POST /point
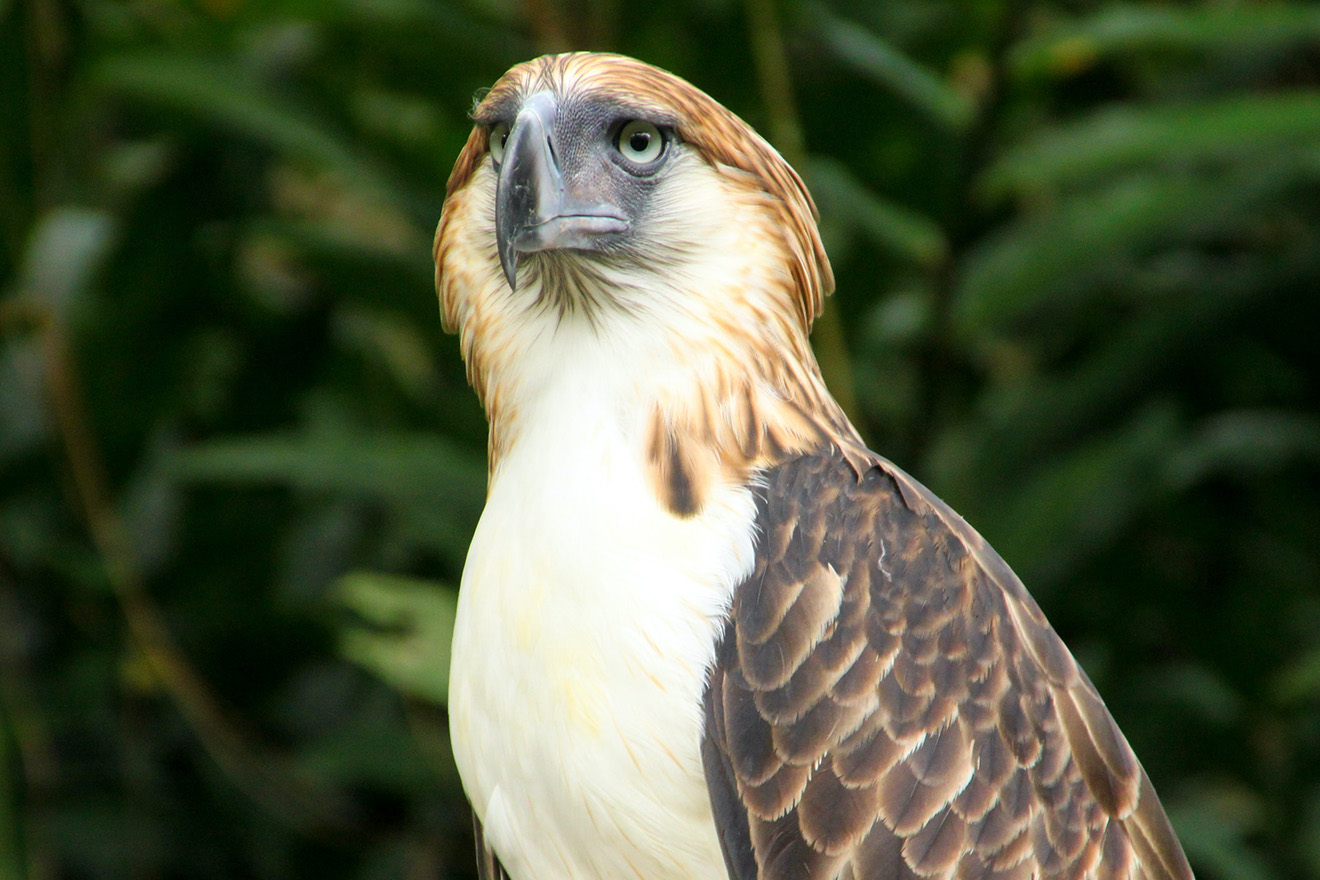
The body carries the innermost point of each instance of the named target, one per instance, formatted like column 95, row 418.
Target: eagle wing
column 887, row 701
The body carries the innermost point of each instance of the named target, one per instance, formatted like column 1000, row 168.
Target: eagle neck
column 702, row 404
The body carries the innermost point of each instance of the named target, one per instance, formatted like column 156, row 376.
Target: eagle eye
column 641, row 143
column 499, row 136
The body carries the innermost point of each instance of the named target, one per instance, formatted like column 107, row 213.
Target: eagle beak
column 534, row 211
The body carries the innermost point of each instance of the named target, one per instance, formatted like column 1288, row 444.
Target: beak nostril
column 534, row 210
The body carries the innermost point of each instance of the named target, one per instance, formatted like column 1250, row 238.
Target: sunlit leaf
column 403, row 632
column 66, row 248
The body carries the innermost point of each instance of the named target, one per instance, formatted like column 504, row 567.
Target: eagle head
column 590, row 175
column 603, row 196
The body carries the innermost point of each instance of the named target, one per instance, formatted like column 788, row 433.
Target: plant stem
column 937, row 360
column 785, row 130
column 252, row 769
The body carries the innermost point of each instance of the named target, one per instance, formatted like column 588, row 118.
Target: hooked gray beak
column 533, row 209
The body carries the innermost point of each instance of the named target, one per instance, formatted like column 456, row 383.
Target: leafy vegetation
column 1078, row 254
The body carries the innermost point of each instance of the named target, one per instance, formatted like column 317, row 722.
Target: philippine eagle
column 703, row 632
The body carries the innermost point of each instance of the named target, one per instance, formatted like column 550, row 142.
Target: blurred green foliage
column 1078, row 254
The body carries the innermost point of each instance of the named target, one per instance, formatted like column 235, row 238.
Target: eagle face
column 577, row 172
column 597, row 183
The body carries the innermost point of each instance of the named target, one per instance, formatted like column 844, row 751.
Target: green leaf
column 889, row 68
column 405, row 632
column 1198, row 690
column 373, row 749
column 226, row 95
column 1058, row 254
column 1126, row 29
column 433, row 489
column 1215, row 823
column 1299, row 681
column 899, row 230
column 1309, row 834
column 1235, row 129
column 393, row 342
column 1057, row 258
column 1246, row 443
column 1076, row 502
column 66, row 248
column 1026, row 415
column 389, row 465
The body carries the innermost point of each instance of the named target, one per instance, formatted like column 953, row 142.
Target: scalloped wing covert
column 889, row 702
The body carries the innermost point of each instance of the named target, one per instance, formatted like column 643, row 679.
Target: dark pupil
column 639, row 141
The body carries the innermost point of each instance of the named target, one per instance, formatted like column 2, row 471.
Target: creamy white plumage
column 589, row 612
column 588, row 617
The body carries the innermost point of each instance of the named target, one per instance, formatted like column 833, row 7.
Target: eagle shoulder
column 887, row 701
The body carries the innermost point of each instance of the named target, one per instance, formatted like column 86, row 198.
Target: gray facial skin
column 565, row 179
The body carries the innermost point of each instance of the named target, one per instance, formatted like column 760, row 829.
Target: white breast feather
column 587, row 619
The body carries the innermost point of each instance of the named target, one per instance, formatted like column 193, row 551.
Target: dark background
column 1078, row 254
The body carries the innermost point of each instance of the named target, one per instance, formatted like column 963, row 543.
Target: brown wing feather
column 889, row 702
